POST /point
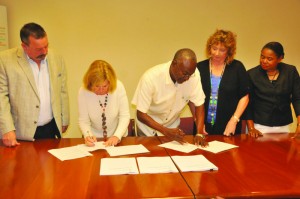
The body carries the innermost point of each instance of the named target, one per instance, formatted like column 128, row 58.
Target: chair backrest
column 131, row 127
column 187, row 125
column 244, row 125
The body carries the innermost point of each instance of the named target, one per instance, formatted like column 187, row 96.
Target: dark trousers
column 49, row 130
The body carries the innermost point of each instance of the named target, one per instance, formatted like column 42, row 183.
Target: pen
column 90, row 136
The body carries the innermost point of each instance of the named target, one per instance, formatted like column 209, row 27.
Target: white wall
column 134, row 35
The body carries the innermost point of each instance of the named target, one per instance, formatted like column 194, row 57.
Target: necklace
column 273, row 76
column 104, row 127
column 213, row 99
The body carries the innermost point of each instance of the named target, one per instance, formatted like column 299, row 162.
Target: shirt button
column 35, row 122
column 37, row 106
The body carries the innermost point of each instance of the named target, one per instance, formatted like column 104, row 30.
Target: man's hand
column 9, row 139
column 175, row 134
column 200, row 139
column 64, row 128
column 253, row 132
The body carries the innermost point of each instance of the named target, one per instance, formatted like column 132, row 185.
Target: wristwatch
column 200, row 135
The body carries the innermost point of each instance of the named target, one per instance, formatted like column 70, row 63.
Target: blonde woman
column 225, row 84
column 103, row 105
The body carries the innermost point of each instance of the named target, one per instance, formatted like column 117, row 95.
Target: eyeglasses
column 184, row 75
column 104, row 127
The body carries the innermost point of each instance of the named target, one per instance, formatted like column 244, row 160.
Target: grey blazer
column 19, row 99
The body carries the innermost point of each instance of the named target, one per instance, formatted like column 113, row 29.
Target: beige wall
column 134, row 35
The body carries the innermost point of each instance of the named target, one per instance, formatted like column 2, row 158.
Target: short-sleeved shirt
column 162, row 99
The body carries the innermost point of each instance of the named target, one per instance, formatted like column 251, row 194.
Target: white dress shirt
column 42, row 80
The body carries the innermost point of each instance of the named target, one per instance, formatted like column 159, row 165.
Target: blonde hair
column 98, row 72
column 227, row 38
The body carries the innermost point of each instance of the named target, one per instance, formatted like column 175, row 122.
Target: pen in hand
column 89, row 139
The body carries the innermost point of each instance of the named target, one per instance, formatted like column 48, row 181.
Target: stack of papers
column 156, row 165
column 193, row 163
column 69, row 153
column 118, row 166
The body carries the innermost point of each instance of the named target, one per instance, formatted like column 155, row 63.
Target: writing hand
column 90, row 139
column 175, row 134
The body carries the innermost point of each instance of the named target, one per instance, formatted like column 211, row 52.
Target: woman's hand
column 253, row 132
column 90, row 140
column 112, row 141
column 230, row 127
column 297, row 132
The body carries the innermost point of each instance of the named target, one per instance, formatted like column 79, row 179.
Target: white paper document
column 186, row 148
column 126, row 150
column 98, row 145
column 68, row 153
column 217, row 146
column 193, row 163
column 118, row 166
column 156, row 165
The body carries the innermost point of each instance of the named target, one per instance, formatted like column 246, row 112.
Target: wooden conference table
column 267, row 167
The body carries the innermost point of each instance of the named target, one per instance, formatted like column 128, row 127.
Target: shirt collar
column 168, row 76
column 31, row 61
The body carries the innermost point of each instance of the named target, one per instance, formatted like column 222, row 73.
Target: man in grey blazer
column 34, row 100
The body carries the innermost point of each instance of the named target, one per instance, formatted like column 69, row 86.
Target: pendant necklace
column 273, row 76
column 104, row 127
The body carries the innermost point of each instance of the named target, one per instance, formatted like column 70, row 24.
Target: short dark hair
column 276, row 47
column 185, row 53
column 31, row 29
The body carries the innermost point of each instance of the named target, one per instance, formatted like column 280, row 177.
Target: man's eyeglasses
column 186, row 76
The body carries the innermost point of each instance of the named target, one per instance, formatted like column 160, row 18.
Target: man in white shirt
column 164, row 91
column 33, row 90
